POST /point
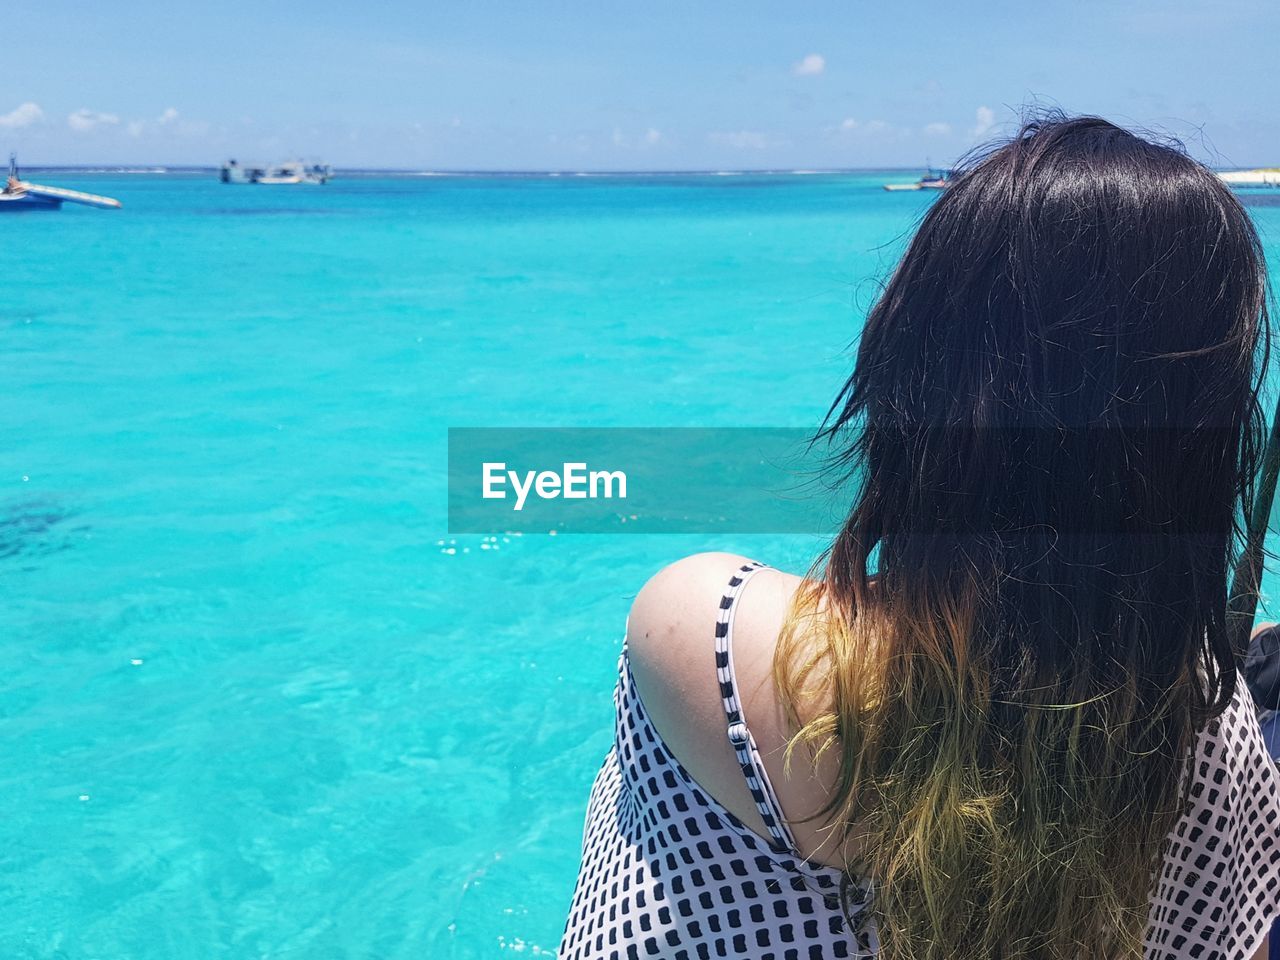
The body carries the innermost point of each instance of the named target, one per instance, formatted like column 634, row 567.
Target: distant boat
column 19, row 194
column 932, row 180
column 1264, row 177
column 295, row 171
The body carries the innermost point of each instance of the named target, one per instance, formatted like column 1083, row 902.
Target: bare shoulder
column 674, row 598
column 673, row 617
column 671, row 650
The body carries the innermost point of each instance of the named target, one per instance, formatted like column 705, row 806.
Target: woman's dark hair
column 1053, row 426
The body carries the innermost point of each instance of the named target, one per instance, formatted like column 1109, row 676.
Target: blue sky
column 701, row 84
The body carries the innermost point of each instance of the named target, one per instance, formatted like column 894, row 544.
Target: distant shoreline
column 156, row 169
column 159, row 170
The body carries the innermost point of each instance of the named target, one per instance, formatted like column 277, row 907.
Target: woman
column 1002, row 719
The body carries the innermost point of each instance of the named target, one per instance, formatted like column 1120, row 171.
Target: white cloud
column 650, row 137
column 168, row 120
column 84, row 119
column 849, row 127
column 742, row 139
column 23, row 115
column 937, row 129
column 810, row 66
column 986, row 119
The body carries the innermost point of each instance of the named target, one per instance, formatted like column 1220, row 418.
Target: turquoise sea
column 257, row 703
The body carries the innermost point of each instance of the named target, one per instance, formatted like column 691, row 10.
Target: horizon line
column 160, row 167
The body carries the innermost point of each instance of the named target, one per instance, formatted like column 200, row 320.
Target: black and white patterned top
column 667, row 871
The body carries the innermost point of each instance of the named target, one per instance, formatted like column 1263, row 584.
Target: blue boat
column 19, row 194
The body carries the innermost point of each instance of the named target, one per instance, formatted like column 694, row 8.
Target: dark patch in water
column 36, row 528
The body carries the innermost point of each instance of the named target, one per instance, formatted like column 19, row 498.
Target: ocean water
column 257, row 703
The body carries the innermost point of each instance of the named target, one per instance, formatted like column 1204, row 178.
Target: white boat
column 283, row 175
column 932, row 180
column 1264, row 177
column 295, row 171
column 19, row 194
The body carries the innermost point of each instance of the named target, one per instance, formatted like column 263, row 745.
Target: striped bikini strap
column 744, row 744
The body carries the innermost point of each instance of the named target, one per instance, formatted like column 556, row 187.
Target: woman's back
column 679, row 861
